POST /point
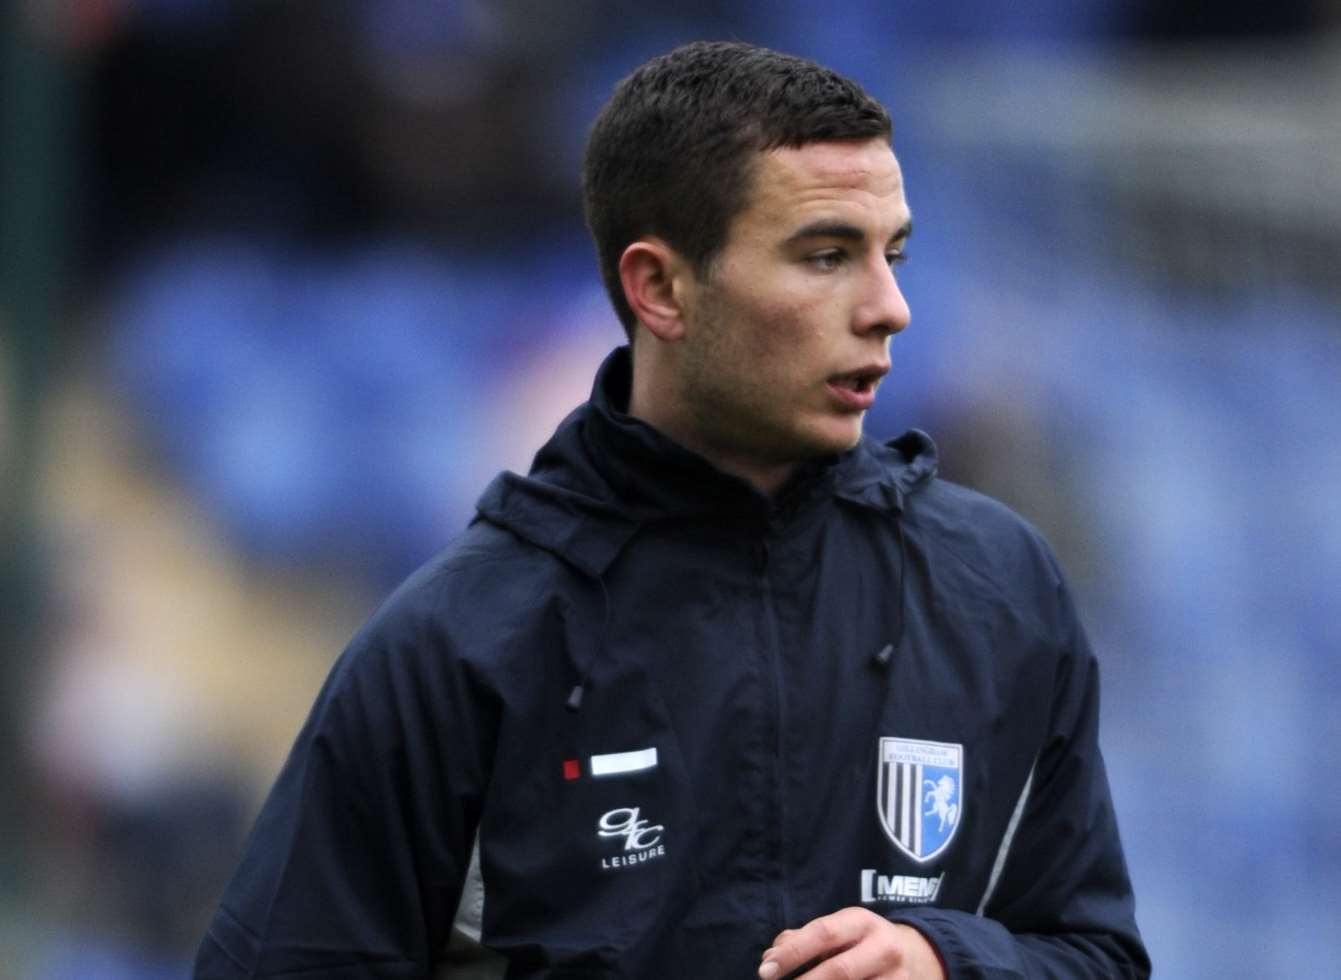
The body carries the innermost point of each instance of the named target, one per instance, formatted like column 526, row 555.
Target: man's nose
column 883, row 308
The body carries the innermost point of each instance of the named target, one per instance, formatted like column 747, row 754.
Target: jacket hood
column 604, row 475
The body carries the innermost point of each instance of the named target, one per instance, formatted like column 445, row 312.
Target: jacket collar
column 605, row 474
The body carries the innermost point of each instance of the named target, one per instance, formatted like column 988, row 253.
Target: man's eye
column 896, row 258
column 826, row 261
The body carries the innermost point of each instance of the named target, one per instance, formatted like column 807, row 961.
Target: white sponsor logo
column 642, row 838
column 898, row 888
column 620, row 763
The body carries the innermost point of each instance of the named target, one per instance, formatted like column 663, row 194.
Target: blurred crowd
column 284, row 282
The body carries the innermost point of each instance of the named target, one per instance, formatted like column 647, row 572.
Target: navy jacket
column 640, row 718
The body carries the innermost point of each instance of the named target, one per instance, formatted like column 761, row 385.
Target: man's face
column 787, row 336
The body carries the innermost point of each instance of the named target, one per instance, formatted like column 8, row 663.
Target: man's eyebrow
column 827, row 229
column 843, row 230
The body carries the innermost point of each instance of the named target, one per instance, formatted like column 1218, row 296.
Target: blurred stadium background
column 283, row 282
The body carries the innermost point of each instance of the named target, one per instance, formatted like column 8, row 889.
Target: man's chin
column 801, row 444
column 837, row 440
column 816, row 448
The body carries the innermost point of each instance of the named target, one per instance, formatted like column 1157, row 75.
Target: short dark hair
column 672, row 152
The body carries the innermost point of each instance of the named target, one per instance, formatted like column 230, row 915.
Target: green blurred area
column 39, row 106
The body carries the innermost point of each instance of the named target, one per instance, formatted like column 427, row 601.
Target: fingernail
column 768, row 970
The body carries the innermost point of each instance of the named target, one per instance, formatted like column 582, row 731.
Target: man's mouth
column 855, row 390
column 861, row 382
column 854, row 382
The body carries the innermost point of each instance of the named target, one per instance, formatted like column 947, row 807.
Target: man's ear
column 651, row 273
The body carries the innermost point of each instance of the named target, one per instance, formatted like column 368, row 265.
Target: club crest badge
column 920, row 794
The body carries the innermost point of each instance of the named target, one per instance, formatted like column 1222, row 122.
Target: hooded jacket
column 641, row 718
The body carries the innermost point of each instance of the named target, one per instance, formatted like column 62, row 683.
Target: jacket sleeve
column 1060, row 904
column 356, row 863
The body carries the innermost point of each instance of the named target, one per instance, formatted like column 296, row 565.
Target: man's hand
column 852, row 944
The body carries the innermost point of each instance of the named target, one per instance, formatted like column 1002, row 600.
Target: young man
column 723, row 687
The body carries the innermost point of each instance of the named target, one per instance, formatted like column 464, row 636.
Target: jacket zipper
column 781, row 904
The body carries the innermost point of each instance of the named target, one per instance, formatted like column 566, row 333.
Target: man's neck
column 649, row 403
